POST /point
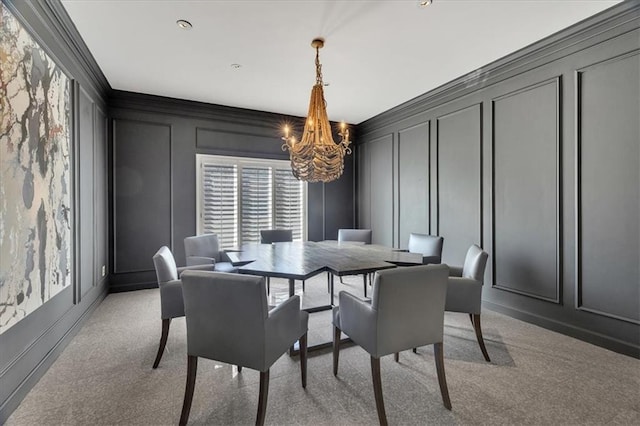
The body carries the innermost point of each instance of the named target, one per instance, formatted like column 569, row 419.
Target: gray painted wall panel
column 364, row 186
column 381, row 208
column 101, row 205
column 609, row 182
column 339, row 203
column 223, row 142
column 315, row 209
column 413, row 180
column 459, row 182
column 142, row 193
column 526, row 137
column 86, row 189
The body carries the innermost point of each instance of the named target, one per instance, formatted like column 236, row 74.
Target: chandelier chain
column 318, row 67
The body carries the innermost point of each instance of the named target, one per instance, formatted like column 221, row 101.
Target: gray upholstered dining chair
column 269, row 236
column 228, row 320
column 428, row 245
column 205, row 249
column 171, row 302
column 464, row 290
column 356, row 235
column 406, row 311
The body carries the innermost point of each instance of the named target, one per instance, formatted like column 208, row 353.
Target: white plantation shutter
column 256, row 202
column 289, row 203
column 238, row 197
column 219, row 206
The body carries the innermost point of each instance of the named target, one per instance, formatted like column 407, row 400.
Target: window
column 237, row 197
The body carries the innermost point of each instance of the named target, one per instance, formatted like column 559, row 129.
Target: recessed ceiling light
column 185, row 25
column 425, row 3
column 236, row 66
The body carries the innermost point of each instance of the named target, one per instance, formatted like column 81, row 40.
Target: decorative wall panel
column 86, row 207
column 413, row 181
column 364, row 186
column 35, row 175
column 460, row 182
column 609, row 188
column 142, row 193
column 381, row 163
column 526, row 190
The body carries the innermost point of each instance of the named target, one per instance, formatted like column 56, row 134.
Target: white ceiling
column 377, row 55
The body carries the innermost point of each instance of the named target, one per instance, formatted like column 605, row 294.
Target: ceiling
column 377, row 54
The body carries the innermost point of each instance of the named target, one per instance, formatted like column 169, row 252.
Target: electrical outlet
column 104, row 270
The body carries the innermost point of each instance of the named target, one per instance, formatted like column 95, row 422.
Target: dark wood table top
column 301, row 260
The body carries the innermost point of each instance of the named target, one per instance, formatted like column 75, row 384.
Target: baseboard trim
column 21, row 391
column 588, row 336
column 119, row 288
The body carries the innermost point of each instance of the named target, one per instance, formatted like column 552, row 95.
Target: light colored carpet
column 536, row 376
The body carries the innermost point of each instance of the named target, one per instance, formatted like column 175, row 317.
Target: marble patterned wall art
column 35, row 175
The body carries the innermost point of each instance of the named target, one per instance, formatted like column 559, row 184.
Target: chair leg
column 302, row 285
column 239, row 369
column 377, row 390
column 438, row 352
column 415, row 350
column 262, row 397
column 341, row 282
column 268, row 285
column 396, row 356
column 328, row 282
column 476, row 326
column 471, row 319
column 192, row 367
column 163, row 341
column 336, row 349
column 303, row 359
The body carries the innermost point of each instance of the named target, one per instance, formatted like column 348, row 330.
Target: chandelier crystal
column 316, row 157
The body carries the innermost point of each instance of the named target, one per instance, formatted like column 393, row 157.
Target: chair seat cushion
column 225, row 267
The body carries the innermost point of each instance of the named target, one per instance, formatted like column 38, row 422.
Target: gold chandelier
column 316, row 157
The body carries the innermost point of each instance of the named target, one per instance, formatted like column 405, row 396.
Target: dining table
column 301, row 260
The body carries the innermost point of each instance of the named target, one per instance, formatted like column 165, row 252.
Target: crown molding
column 610, row 23
column 142, row 102
column 66, row 29
column 198, row 110
column 61, row 35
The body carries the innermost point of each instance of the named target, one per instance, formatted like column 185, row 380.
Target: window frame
column 240, row 163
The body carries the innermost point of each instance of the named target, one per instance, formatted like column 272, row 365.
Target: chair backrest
column 428, row 245
column 361, row 235
column 206, row 245
column 268, row 236
column 226, row 316
column 410, row 304
column 475, row 263
column 165, row 265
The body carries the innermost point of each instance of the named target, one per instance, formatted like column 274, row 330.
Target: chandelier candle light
column 316, row 157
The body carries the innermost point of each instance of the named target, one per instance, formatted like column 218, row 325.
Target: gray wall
column 536, row 158
column 155, row 141
column 29, row 347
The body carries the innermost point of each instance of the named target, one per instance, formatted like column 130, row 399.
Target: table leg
column 364, row 278
column 292, row 290
column 331, row 285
